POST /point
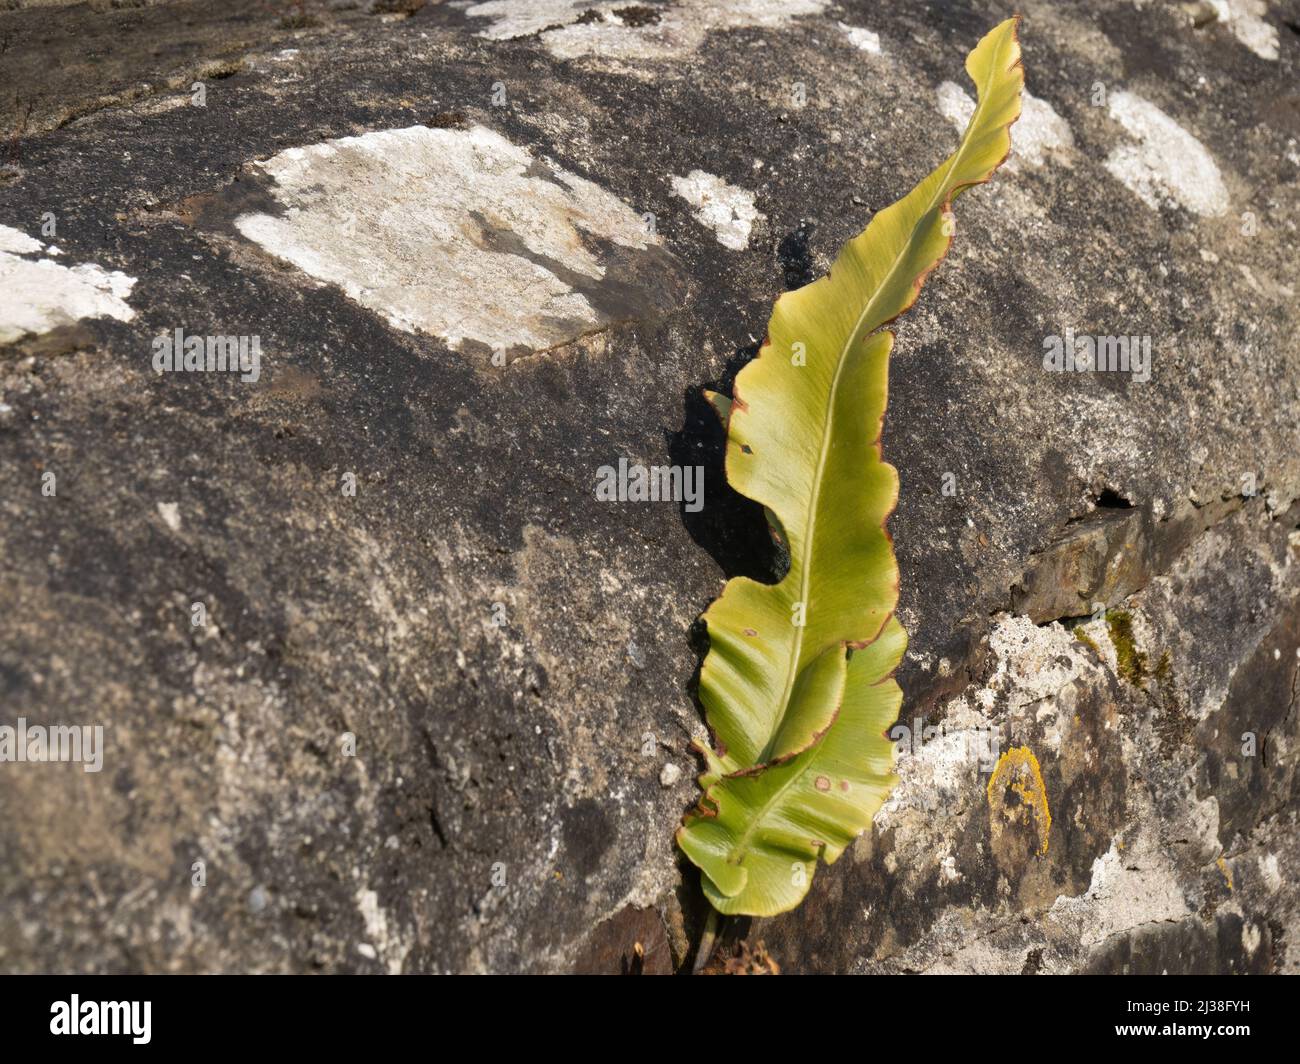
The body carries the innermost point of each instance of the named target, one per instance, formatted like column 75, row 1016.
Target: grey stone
column 503, row 749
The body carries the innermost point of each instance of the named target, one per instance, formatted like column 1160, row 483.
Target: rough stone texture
column 515, row 659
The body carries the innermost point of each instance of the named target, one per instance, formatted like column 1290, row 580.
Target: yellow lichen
column 1018, row 771
column 1227, row 872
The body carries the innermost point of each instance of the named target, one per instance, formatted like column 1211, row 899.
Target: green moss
column 1083, row 637
column 1164, row 672
column 1132, row 663
column 1173, row 725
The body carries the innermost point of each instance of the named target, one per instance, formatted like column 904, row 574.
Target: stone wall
column 436, row 716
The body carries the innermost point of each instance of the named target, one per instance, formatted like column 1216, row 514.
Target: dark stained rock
column 631, row 942
column 1225, row 945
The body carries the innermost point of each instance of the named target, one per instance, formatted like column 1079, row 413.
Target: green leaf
column 796, row 685
column 779, row 818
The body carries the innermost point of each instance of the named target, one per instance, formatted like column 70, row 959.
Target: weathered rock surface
column 487, row 249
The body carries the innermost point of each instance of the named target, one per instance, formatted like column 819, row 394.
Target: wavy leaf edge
column 856, row 353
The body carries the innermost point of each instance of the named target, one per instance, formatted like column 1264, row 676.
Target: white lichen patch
column 864, row 40
column 383, row 945
column 170, row 512
column 1037, row 132
column 1128, row 889
column 1166, row 164
column 16, row 242
column 955, row 104
column 39, row 294
column 1245, row 18
column 1270, row 873
column 938, row 769
column 727, row 210
column 1037, row 665
column 1035, row 670
column 457, row 233
column 523, row 18
column 608, row 30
